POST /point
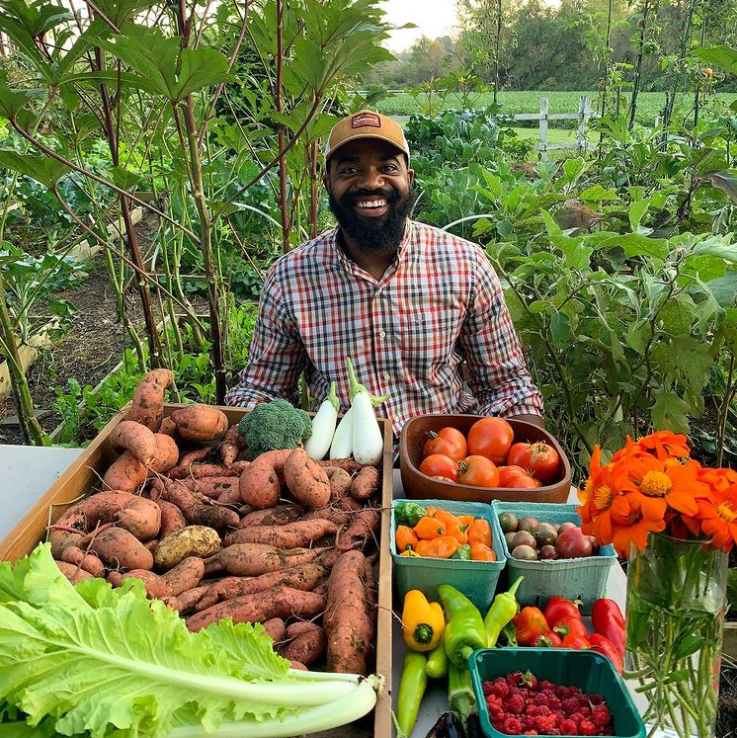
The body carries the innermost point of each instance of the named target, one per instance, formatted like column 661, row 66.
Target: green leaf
column 12, row 102
column 504, row 228
column 678, row 314
column 638, row 336
column 637, row 211
column 720, row 56
column 597, row 193
column 717, row 246
column 633, row 244
column 560, row 330
column 200, row 68
column 43, row 169
column 551, row 226
column 668, row 411
column 125, row 179
column 725, row 181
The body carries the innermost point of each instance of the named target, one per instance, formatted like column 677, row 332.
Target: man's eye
column 391, row 168
column 349, row 170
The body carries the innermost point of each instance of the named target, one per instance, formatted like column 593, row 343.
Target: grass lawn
column 648, row 108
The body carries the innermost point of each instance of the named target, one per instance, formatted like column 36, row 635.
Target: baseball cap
column 366, row 124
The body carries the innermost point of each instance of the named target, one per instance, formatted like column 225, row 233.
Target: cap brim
column 358, row 136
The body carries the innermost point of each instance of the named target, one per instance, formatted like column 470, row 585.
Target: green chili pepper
column 409, row 513
column 463, row 553
column 502, row 610
column 460, row 693
column 464, row 627
column 412, row 687
column 437, row 662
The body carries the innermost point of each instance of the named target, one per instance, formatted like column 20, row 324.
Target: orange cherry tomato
column 478, row 471
column 517, row 478
column 492, row 438
column 448, row 441
column 440, row 465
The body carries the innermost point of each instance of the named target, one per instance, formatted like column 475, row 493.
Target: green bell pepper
column 464, row 627
column 463, row 553
column 409, row 513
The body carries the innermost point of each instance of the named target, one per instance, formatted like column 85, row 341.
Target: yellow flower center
column 726, row 512
column 655, row 484
column 603, row 498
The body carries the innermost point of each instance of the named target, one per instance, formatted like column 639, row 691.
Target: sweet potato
column 136, row 514
column 252, row 559
column 340, row 482
column 349, row 619
column 348, row 465
column 365, row 483
column 231, row 496
column 168, row 428
column 341, row 513
column 147, row 407
column 297, row 666
column 172, row 519
column 166, row 454
column 152, row 545
column 292, row 535
column 119, row 548
column 360, row 531
column 279, row 602
column 195, row 540
column 125, row 474
column 156, row 587
column 299, row 627
column 200, row 423
column 232, row 444
column 307, row 647
column 136, row 438
column 304, row 577
column 279, row 515
column 72, row 572
column 184, row 467
column 191, row 597
column 186, row 575
column 260, row 483
column 212, row 487
column 196, row 512
column 275, row 628
column 306, row 479
column 202, row 471
column 240, row 466
column 173, row 603
column 89, row 562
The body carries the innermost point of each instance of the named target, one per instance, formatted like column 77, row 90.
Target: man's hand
column 530, row 418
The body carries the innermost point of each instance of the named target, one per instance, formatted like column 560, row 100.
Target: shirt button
column 382, row 334
column 387, row 376
column 396, row 418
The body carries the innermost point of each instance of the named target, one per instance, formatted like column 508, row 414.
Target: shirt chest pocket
column 429, row 336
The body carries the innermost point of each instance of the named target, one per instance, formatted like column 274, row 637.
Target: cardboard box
column 85, row 474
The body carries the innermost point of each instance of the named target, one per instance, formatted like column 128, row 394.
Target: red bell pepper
column 530, row 623
column 549, row 639
column 576, row 642
column 609, row 622
column 571, row 625
column 604, row 646
column 559, row 608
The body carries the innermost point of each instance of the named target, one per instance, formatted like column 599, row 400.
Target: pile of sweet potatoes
column 283, row 540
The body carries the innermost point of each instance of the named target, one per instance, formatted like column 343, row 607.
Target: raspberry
column 601, row 716
column 586, row 727
column 531, row 709
column 529, row 679
column 542, row 698
column 547, row 684
column 577, row 718
column 596, row 699
column 554, row 702
column 528, row 722
column 499, row 688
column 545, row 723
column 569, row 705
column 568, row 727
column 515, row 704
column 513, row 678
column 585, row 710
column 512, row 726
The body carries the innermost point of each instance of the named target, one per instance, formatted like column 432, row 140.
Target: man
column 407, row 303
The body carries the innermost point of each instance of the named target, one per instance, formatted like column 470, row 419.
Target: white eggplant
column 368, row 443
column 342, row 445
column 323, row 426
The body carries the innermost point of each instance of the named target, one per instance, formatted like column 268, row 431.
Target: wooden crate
column 85, row 473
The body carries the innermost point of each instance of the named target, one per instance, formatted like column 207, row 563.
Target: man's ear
column 411, row 176
column 326, row 181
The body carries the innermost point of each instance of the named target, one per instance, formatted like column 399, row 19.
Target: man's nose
column 372, row 179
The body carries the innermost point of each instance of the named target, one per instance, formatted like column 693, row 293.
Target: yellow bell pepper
column 423, row 622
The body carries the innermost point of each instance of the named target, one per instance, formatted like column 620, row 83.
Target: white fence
column 583, row 116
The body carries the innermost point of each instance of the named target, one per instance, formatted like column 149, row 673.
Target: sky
column 433, row 18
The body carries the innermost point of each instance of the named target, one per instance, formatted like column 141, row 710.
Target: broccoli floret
column 274, row 425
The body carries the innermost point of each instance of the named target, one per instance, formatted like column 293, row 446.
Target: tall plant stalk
column 279, row 103
column 646, row 7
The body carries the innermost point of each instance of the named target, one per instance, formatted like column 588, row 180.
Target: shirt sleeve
column 276, row 357
column 498, row 375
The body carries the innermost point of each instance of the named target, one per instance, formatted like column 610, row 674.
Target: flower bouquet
column 675, row 521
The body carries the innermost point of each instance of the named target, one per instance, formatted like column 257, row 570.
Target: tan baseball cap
column 366, row 124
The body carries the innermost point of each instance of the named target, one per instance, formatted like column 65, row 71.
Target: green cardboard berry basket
column 476, row 579
column 591, row 672
column 583, row 579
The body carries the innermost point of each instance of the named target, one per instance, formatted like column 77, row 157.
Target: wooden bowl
column 420, row 486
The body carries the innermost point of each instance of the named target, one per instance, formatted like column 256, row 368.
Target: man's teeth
column 372, row 204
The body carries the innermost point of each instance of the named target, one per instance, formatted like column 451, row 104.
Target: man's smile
column 373, row 207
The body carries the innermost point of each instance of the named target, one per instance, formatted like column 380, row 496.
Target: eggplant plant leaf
column 725, row 181
column 43, row 169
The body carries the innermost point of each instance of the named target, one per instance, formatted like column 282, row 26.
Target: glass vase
column 676, row 601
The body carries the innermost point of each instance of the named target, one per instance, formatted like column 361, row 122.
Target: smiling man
column 408, row 303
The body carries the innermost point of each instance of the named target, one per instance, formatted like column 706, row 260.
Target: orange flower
column 718, row 479
column 665, row 444
column 635, row 530
column 718, row 517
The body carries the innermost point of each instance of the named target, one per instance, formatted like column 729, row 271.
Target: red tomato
column 439, row 465
column 490, row 437
column 447, row 441
column 478, row 471
column 543, row 462
column 517, row 478
column 519, row 454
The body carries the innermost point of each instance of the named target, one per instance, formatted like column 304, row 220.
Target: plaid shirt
column 438, row 303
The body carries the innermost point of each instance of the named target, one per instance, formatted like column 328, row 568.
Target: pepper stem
column 513, row 589
column 466, row 651
column 423, row 633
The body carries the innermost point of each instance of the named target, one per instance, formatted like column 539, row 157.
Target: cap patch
column 365, row 119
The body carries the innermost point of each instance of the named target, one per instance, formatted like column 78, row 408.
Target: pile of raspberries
column 519, row 704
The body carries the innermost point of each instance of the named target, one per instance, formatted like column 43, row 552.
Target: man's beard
column 378, row 235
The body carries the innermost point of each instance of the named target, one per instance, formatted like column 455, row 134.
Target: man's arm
column 276, row 357
column 498, row 374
